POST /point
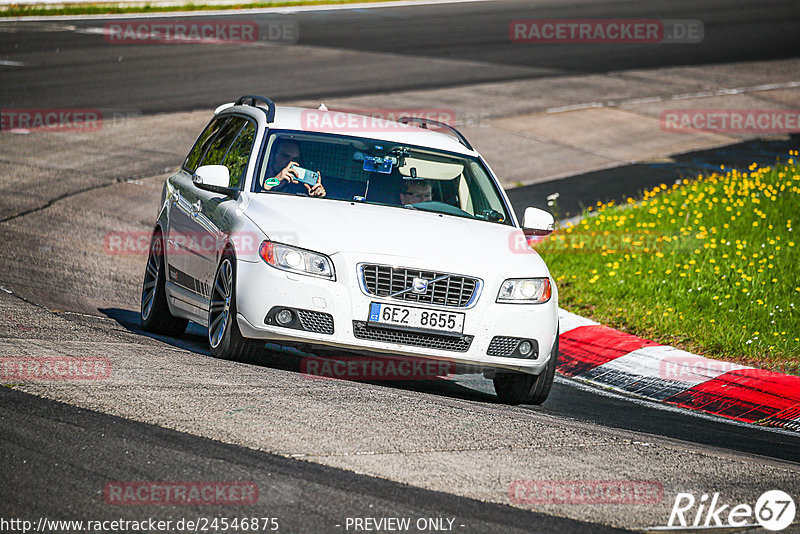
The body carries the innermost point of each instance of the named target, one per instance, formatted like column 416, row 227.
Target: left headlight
column 296, row 260
column 525, row 290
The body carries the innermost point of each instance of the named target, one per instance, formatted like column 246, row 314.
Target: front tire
column 154, row 309
column 224, row 337
column 521, row 388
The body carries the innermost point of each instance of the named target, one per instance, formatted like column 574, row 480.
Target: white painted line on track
column 288, row 10
column 575, row 107
column 769, row 86
column 683, row 96
column 645, row 100
column 690, row 96
column 8, row 63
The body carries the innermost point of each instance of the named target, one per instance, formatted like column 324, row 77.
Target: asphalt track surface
column 55, row 466
column 567, row 400
column 366, row 51
column 340, row 53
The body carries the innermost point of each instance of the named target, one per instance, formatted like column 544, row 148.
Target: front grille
column 418, row 339
column 455, row 291
column 502, row 346
column 313, row 321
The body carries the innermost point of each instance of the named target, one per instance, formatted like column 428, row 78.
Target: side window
column 202, row 143
column 239, row 153
column 483, row 193
column 220, row 145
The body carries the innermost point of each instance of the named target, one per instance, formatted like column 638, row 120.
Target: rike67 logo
column 774, row 510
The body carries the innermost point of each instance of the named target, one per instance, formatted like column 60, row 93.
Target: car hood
column 359, row 229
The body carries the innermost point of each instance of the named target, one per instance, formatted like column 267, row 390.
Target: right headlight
column 297, row 260
column 525, row 291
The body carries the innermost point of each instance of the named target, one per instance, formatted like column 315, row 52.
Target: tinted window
column 239, row 153
column 222, row 142
column 202, row 143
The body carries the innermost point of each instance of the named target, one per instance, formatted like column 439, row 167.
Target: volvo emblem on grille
column 420, row 285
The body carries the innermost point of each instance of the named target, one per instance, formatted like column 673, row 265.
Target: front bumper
column 261, row 287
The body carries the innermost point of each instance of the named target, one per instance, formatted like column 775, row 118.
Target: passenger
column 285, row 154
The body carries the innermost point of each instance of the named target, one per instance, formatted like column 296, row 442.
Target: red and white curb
column 608, row 358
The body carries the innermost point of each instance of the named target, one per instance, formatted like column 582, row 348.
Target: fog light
column 525, row 348
column 284, row 317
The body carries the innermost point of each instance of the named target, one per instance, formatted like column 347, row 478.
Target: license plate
column 421, row 318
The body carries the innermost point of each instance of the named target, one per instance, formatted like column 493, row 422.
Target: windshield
column 379, row 172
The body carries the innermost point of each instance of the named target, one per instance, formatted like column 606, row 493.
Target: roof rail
column 253, row 100
column 424, row 122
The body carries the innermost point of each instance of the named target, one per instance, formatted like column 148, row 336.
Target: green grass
column 113, row 9
column 710, row 265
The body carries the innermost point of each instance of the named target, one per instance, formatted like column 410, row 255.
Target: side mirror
column 215, row 178
column 537, row 222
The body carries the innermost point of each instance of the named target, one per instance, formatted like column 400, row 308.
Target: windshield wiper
column 442, row 209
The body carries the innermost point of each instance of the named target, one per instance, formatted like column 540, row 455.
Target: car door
column 182, row 202
column 209, row 221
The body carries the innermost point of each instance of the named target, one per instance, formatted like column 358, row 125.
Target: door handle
column 197, row 207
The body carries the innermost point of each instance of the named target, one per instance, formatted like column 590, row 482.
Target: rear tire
column 154, row 309
column 224, row 337
column 522, row 388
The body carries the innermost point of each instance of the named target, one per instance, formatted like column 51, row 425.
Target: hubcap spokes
column 219, row 312
column 151, row 278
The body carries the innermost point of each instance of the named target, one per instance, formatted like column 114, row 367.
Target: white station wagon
column 338, row 232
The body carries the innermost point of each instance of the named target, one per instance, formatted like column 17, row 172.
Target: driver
column 285, row 154
column 415, row 191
